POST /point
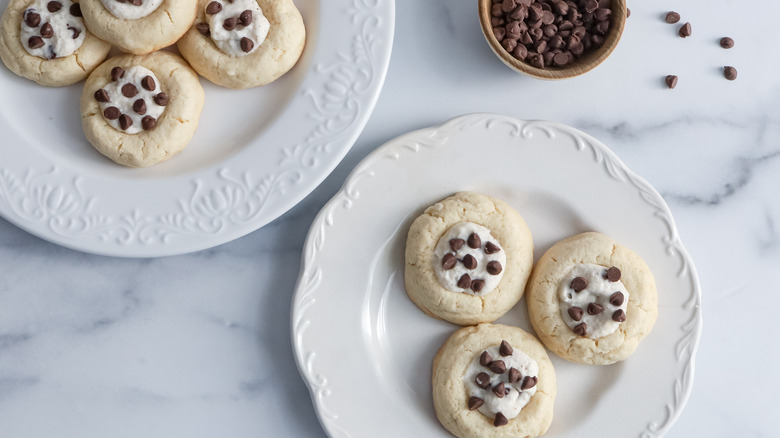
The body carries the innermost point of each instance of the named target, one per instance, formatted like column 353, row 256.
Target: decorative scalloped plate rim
column 213, row 204
column 339, row 326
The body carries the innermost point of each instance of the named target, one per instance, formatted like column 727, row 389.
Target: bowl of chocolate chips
column 552, row 39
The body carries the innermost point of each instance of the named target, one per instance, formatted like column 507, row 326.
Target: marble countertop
column 199, row 345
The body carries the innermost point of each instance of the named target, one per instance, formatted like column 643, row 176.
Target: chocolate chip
column 117, row 73
column 505, row 349
column 729, row 72
column 514, row 375
column 616, row 299
column 35, row 42
column 628, row 12
column 494, row 267
column 482, row 380
column 125, row 122
column 671, row 81
column 101, row 95
column 575, row 313
column 32, row 19
column 602, row 14
column 685, row 30
column 581, row 329
column 529, row 382
column 475, row 403
column 619, row 315
column 148, row 123
column 75, row 10
column 499, row 390
column 500, row 420
column 561, row 58
column 245, row 18
column 469, row 261
column 474, row 241
column 139, row 106
column 53, row 6
column 595, row 308
column 75, row 31
column 726, row 42
column 456, row 244
column 47, row 31
column 213, row 8
column 485, row 359
column 672, row 17
column 579, row 284
column 477, row 285
column 448, row 261
column 464, row 282
column 148, row 83
column 129, row 90
column 136, row 2
column 247, row 45
column 230, row 23
column 497, row 366
column 112, row 113
column 491, row 248
column 161, row 99
column 613, row 274
column 203, row 28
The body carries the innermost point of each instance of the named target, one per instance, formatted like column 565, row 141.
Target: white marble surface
column 199, row 345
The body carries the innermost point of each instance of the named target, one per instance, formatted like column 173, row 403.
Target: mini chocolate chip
column 500, row 420
column 581, row 329
column 477, row 285
column 529, row 382
column 497, row 366
column 628, row 12
column 213, row 8
column 619, row 315
column 75, row 31
column 579, row 284
column 129, row 90
column 245, row 18
column 613, row 274
column 54, row 6
column 161, row 99
column 482, row 380
column 247, row 45
column 494, row 267
column 499, row 390
column 685, row 30
column 485, row 359
column 32, row 19
column 729, row 72
column 47, row 31
column 672, row 17
column 671, row 81
column 475, row 403
column 35, row 42
column 117, row 73
column 505, row 349
column 474, row 241
column 491, row 248
column 75, row 10
column 602, row 14
column 616, row 299
column 148, row 123
column 448, row 261
column 456, row 244
column 595, row 308
column 230, row 23
column 112, row 113
column 125, row 122
column 464, row 282
column 575, row 313
column 726, row 42
column 591, row 6
column 139, row 106
column 561, row 58
column 101, row 95
column 203, row 28
column 514, row 375
column 148, row 83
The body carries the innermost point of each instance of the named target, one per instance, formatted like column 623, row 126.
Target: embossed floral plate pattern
column 365, row 350
column 256, row 153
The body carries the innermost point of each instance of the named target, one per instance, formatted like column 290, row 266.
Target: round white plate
column 365, row 350
column 255, row 155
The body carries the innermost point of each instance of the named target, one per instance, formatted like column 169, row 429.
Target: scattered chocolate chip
column 456, row 244
column 117, row 73
column 482, row 380
column 726, row 42
column 230, row 23
column 125, row 122
column 497, row 366
column 148, row 123
column 139, row 106
column 75, row 31
column 619, row 315
column 575, row 313
column 491, row 248
column 35, row 42
column 247, row 45
column 579, row 284
column 129, row 90
column 613, row 274
column 148, row 83
column 494, row 267
column 245, row 18
column 685, row 30
column 671, row 81
column 475, row 403
column 505, row 349
column 485, row 359
column 469, row 261
column 474, row 241
column 53, row 6
column 112, row 113
column 464, row 282
column 448, row 261
column 616, row 299
column 499, row 390
column 477, row 285
column 47, row 31
column 203, row 28
column 31, row 18
column 101, row 95
column 500, row 420
column 213, row 8
column 529, row 382
column 514, row 375
column 672, row 17
column 729, row 72
column 161, row 99
column 75, row 10
column 595, row 308
column 581, row 329
column 628, row 12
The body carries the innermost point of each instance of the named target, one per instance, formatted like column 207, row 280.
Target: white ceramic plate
column 255, row 155
column 365, row 350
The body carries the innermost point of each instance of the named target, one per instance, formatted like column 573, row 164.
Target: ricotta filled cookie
column 139, row 110
column 244, row 43
column 493, row 380
column 139, row 26
column 48, row 42
column 592, row 300
column 468, row 258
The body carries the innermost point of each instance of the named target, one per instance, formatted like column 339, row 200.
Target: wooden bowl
column 585, row 63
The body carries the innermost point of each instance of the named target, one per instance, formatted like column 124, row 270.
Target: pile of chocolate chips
column 550, row 33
